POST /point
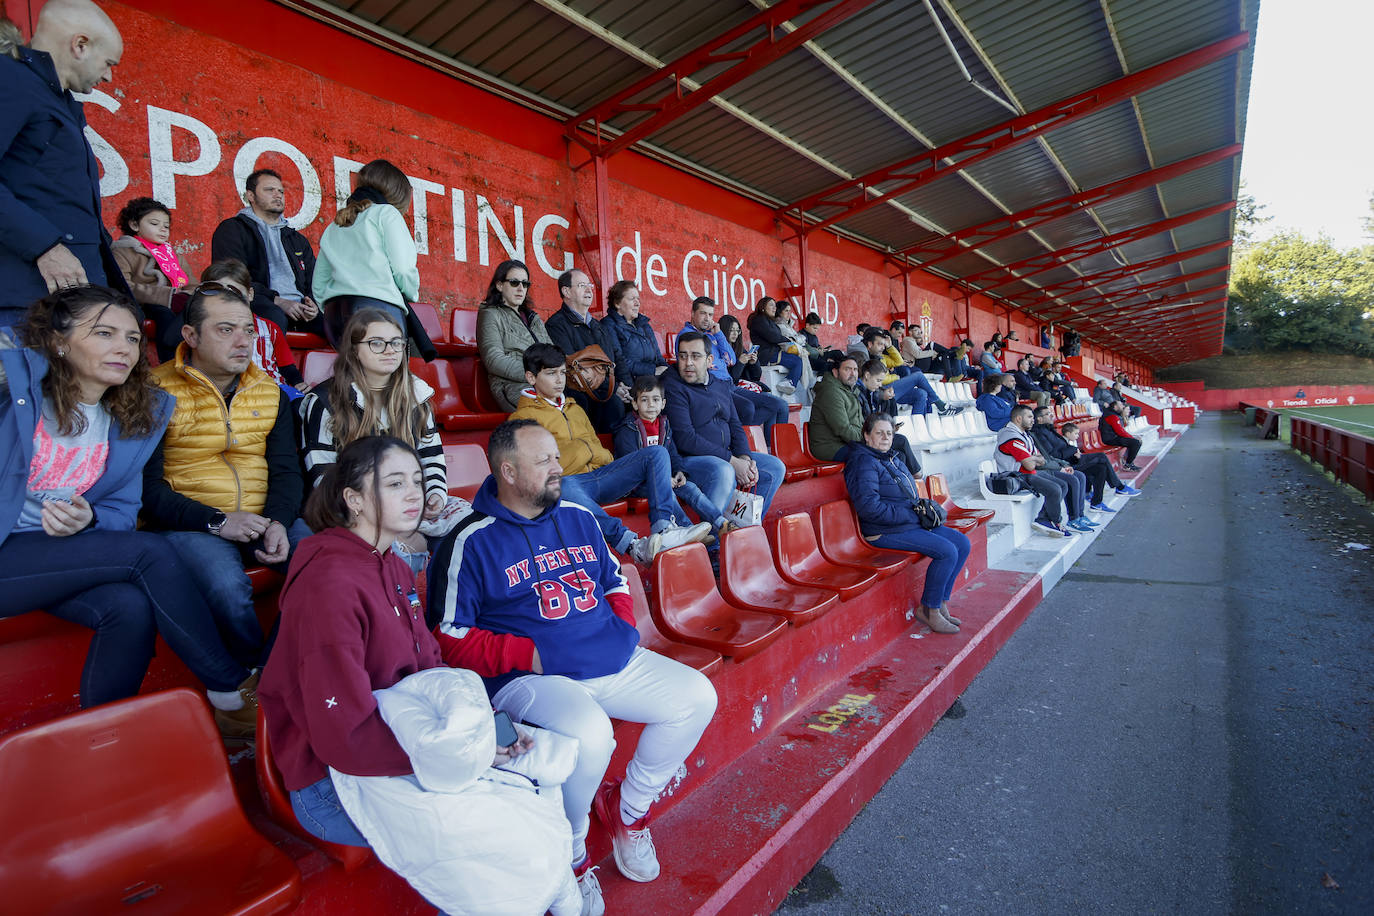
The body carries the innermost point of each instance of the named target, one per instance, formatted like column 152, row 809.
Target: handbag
column 929, row 513
column 745, row 508
column 589, row 369
column 1005, row 483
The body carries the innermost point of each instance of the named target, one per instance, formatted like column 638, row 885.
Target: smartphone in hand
column 506, row 735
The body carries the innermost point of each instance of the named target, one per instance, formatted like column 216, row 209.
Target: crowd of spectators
column 142, row 497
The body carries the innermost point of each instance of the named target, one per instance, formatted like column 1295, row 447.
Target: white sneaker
column 642, row 550
column 676, row 536
column 592, row 902
column 785, row 387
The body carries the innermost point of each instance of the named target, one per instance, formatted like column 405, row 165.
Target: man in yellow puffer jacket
column 225, row 481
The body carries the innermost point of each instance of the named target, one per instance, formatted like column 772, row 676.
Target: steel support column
column 852, row 197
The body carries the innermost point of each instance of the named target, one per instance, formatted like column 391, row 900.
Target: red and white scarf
column 167, row 262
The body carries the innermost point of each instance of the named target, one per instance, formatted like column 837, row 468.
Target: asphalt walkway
column 1184, row 725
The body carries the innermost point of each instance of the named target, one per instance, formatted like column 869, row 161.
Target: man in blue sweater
column 527, row 595
column 715, row 450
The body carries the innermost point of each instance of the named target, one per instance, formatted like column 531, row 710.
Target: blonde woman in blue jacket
column 79, row 416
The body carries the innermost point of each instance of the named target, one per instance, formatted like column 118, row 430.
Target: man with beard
column 528, row 596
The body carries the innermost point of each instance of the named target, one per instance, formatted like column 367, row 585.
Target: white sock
column 579, row 856
column 226, row 700
column 627, row 817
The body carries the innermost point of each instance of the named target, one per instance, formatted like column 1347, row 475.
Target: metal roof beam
column 1111, row 275
column 1124, row 298
column 1029, row 267
column 852, row 197
column 1003, row 227
column 1106, row 304
column 725, row 49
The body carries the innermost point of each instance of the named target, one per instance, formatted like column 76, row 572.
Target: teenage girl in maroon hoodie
column 350, row 624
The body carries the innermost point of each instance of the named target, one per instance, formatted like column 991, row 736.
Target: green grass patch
column 1356, row 419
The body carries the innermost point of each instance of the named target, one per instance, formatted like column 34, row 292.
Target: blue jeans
column 793, row 364
column 649, row 467
column 759, row 408
column 217, row 568
column 1078, row 485
column 712, row 476
column 906, row 390
column 127, row 587
column 947, row 549
column 320, row 812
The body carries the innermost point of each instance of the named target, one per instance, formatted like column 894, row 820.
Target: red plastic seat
column 757, row 441
column 939, row 491
column 449, row 410
column 800, row 560
column 278, row 803
column 749, row 579
column 472, row 376
column 463, row 331
column 823, row 468
column 129, row 807
column 429, row 320
column 841, row 542
column 304, row 340
column 690, row 610
column 707, row 661
column 964, row 525
column 318, row 366
column 788, row 448
column 467, row 468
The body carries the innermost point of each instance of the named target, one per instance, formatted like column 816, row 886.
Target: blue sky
column 1309, row 141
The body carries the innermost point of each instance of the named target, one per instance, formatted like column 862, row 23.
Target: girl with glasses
column 372, row 393
column 507, row 325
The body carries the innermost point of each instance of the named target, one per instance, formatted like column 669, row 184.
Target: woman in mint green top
column 368, row 255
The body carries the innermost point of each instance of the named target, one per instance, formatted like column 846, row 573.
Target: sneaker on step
column 642, row 550
column 242, row 723
column 1127, row 490
column 632, row 844
column 1049, row 528
column 676, row 536
column 949, row 411
column 785, row 387
column 1078, row 525
column 1084, row 520
column 1132, row 467
column 1102, row 507
column 1064, row 530
column 592, row 902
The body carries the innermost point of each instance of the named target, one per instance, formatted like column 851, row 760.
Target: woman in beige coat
column 506, row 326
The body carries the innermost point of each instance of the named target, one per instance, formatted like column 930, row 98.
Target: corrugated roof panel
column 1097, row 148
column 1191, row 114
column 1022, row 38
column 1130, row 211
column 1153, row 32
column 950, row 202
column 1202, row 188
column 1021, row 177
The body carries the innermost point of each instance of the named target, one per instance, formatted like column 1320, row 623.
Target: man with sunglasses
column 224, row 484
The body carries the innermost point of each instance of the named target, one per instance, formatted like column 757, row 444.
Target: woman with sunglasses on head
column 79, row 418
column 507, row 326
column 367, row 254
column 371, row 393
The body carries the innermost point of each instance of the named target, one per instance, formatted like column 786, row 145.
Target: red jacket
column 1117, row 425
column 349, row 625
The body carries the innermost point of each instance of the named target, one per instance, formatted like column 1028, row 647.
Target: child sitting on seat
column 153, row 270
column 647, row 426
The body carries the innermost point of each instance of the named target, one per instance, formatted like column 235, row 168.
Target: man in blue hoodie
column 755, row 408
column 526, row 593
column 715, row 450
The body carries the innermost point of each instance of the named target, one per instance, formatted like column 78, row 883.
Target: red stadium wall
column 1232, row 398
column 208, row 91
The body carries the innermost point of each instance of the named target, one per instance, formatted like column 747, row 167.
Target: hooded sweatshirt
column 350, row 624
column 502, row 585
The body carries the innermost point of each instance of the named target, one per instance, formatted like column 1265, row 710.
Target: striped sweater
column 319, row 451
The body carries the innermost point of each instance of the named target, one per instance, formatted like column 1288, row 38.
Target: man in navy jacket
column 715, row 450
column 51, row 234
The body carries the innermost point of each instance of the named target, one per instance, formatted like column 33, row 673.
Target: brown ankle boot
column 932, row 618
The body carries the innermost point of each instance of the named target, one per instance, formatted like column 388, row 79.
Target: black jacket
column 239, row 237
column 765, row 333
column 1052, row 444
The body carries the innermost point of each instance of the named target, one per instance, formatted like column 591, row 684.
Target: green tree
column 1249, row 217
column 1294, row 293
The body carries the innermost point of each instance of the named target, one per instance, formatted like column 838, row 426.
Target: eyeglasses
column 524, row 283
column 377, row 345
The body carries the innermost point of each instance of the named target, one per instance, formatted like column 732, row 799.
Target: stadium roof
column 1077, row 160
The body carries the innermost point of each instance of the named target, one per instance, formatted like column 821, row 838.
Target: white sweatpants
column 674, row 702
